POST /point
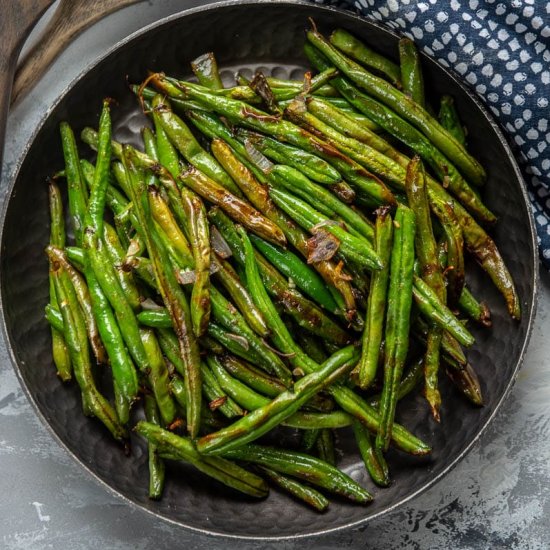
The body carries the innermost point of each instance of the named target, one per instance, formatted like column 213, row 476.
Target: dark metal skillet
column 250, row 34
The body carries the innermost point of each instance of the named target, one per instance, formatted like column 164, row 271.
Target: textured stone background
column 498, row 497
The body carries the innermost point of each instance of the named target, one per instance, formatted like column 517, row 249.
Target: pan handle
column 18, row 19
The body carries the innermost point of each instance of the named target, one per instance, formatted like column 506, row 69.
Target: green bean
column 180, row 200
column 478, row 311
column 117, row 255
column 425, row 243
column 352, row 125
column 109, row 284
column 310, row 345
column 144, row 270
column 449, row 119
column 124, row 373
column 345, row 107
column 255, row 92
column 75, row 333
column 455, row 249
column 86, row 304
column 236, row 344
column 205, row 68
column 303, row 311
column 213, row 127
column 284, row 131
column 310, row 165
column 166, row 220
column 263, row 419
column 96, row 204
column 200, row 259
column 360, row 152
column 101, row 272
column 477, row 240
column 429, row 305
column 354, row 48
column 229, row 278
column 309, row 438
column 403, row 106
column 375, row 462
column 411, row 71
column 303, row 492
column 414, row 139
column 252, row 377
column 398, row 319
column 158, row 376
column 226, row 314
column 467, row 382
column 239, row 392
column 486, row 253
column 325, row 446
column 172, row 295
column 374, row 321
column 345, row 397
column 251, row 400
column 57, row 220
column 426, row 251
column 248, row 179
column 182, row 137
column 431, row 369
column 218, row 398
column 449, row 346
column 311, row 421
column 320, row 198
column 155, row 318
column 279, row 332
column 224, row 471
column 196, row 228
column 294, row 268
column 177, row 386
column 200, row 245
column 209, row 421
column 317, row 84
column 156, row 464
column 77, row 191
column 60, row 351
column 354, row 248
column 247, row 90
column 304, row 467
column 241, row 211
column 259, row 197
column 115, row 200
column 147, row 94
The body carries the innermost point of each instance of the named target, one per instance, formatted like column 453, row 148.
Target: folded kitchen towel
column 502, row 50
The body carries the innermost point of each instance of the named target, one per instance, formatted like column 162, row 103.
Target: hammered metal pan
column 249, row 35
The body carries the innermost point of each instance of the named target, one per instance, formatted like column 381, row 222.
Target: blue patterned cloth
column 502, row 50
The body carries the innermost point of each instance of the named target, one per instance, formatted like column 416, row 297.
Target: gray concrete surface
column 498, row 497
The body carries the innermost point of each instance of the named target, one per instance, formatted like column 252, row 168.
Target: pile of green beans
column 251, row 271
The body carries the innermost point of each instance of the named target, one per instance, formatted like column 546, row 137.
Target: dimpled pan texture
column 247, row 36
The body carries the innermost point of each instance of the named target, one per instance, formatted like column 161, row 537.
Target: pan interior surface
column 249, row 36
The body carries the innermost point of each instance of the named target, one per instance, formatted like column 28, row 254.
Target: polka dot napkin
column 502, row 50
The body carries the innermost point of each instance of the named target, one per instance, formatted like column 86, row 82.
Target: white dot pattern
column 502, row 50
